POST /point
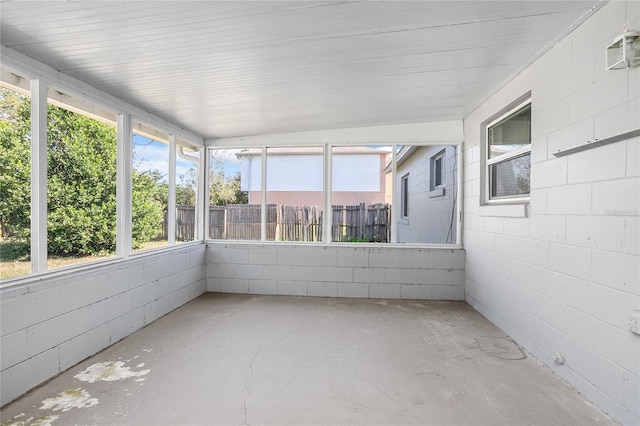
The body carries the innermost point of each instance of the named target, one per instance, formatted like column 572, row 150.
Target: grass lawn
column 14, row 262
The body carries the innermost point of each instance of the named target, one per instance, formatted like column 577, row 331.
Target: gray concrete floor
column 238, row 359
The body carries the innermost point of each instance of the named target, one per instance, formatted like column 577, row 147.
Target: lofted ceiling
column 224, row 69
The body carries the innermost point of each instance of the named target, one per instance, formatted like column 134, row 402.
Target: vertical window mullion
column 394, row 194
column 263, row 196
column 204, row 166
column 198, row 232
column 38, row 176
column 327, row 217
column 459, row 196
column 123, row 185
column 171, row 196
column 201, row 179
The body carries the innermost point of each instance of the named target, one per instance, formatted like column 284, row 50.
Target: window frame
column 404, row 196
column 176, row 149
column 394, row 180
column 519, row 105
column 45, row 88
column 439, row 157
column 154, row 135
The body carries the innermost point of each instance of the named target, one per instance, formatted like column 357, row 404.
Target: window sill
column 64, row 272
column 438, row 192
column 333, row 244
column 504, row 210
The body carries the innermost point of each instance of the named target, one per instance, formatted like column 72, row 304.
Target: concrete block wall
column 564, row 279
column 51, row 323
column 336, row 271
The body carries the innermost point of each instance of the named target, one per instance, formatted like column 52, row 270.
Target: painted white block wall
column 564, row 279
column 51, row 323
column 336, row 271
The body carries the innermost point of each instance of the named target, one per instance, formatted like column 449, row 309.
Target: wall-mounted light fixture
column 624, row 52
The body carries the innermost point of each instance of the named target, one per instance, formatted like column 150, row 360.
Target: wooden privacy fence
column 355, row 223
column 240, row 222
column 299, row 223
column 371, row 223
column 185, row 224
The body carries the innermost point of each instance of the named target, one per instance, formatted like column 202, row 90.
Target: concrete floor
column 237, row 359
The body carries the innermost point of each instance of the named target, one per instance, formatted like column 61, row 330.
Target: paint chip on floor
column 32, row 421
column 68, row 399
column 108, row 371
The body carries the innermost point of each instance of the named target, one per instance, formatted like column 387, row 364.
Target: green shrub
column 81, row 191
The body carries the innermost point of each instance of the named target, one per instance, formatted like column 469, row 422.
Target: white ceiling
column 223, row 69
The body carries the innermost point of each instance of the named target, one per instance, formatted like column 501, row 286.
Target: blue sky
column 230, row 163
column 153, row 155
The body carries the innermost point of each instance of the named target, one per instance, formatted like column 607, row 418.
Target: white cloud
column 150, row 155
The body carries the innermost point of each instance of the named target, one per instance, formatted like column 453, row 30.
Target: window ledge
column 334, row 244
column 438, row 192
column 504, row 210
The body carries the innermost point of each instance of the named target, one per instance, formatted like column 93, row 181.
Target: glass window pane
column 404, row 196
column 234, row 194
column 295, row 193
column 361, row 193
column 511, row 178
column 149, row 188
column 15, row 183
column 432, row 194
column 187, row 169
column 510, row 134
column 81, row 188
column 438, row 172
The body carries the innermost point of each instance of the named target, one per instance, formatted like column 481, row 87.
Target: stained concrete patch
column 75, row 397
column 500, row 347
column 109, row 371
column 68, row 399
column 31, row 421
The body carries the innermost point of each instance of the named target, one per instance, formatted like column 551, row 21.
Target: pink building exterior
column 294, row 175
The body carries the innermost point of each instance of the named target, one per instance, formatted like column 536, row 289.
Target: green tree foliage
column 81, row 192
column 148, row 204
column 15, row 154
column 185, row 195
column 186, row 188
column 224, row 189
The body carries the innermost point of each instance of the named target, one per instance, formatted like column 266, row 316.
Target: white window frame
column 395, row 181
column 434, row 174
column 37, row 81
column 513, row 109
column 404, row 196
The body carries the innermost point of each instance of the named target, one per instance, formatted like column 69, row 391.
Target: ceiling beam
column 437, row 132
